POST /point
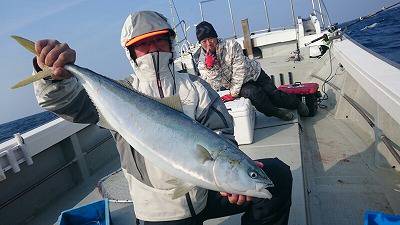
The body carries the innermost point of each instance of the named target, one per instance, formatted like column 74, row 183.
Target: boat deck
column 272, row 138
column 339, row 175
column 332, row 161
column 342, row 179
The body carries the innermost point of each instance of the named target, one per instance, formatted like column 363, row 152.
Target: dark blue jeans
column 274, row 211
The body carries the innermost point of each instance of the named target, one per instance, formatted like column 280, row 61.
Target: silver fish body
column 173, row 141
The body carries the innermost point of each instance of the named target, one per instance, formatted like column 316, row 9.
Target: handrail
column 389, row 144
column 52, row 174
column 266, row 15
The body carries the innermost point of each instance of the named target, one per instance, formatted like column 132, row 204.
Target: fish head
column 236, row 173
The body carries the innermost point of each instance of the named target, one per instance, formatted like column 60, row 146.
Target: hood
column 145, row 22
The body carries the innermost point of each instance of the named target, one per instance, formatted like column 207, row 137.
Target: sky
column 92, row 28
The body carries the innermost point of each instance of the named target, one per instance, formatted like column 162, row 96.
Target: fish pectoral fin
column 203, row 154
column 181, row 188
column 46, row 72
column 172, row 101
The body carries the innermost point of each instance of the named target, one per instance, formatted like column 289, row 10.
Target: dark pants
column 259, row 211
column 264, row 95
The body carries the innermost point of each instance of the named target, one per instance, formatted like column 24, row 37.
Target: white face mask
column 148, row 65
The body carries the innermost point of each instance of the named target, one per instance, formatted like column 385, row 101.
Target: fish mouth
column 264, row 184
column 263, row 193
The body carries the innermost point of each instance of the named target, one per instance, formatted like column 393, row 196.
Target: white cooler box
column 244, row 116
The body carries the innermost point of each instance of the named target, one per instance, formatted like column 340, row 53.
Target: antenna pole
column 313, row 7
column 320, row 11
column 233, row 22
column 266, row 15
column 201, row 11
column 296, row 27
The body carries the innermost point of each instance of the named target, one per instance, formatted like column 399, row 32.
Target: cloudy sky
column 92, row 28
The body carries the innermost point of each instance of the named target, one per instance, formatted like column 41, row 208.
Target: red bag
column 306, row 92
column 300, row 88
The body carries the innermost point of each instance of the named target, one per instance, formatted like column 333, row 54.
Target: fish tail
column 27, row 44
column 30, row 46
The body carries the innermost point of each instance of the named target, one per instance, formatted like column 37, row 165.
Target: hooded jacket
column 147, row 183
column 232, row 69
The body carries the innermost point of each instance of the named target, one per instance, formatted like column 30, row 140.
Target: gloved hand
column 210, row 60
column 227, row 98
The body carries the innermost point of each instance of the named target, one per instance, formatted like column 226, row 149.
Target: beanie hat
column 205, row 30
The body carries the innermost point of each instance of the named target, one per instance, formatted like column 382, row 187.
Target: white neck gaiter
column 152, row 64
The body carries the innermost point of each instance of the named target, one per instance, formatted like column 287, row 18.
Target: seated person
column 224, row 66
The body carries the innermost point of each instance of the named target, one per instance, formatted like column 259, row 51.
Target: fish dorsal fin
column 172, row 101
column 202, row 154
column 46, row 72
column 181, row 188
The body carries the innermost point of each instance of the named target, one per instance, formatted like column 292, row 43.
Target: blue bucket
column 96, row 213
column 379, row 218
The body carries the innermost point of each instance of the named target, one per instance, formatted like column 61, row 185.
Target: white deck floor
column 277, row 138
column 343, row 182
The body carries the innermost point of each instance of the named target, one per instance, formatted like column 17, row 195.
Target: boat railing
column 392, row 147
column 321, row 12
column 11, row 151
column 24, row 146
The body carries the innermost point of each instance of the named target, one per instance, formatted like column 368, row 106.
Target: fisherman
column 224, row 66
column 148, row 41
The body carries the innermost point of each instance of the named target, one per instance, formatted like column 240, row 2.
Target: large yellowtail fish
column 184, row 148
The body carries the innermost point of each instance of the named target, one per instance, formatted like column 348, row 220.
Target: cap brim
column 144, row 36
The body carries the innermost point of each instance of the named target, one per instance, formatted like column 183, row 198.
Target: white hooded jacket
column 147, row 183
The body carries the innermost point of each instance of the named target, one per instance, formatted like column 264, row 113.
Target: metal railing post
column 79, row 156
column 21, row 143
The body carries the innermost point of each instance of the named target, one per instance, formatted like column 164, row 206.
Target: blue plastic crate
column 96, row 213
column 379, row 218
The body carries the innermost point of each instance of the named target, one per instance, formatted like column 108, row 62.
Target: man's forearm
column 67, row 99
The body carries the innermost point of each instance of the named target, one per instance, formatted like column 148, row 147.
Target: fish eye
column 253, row 174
